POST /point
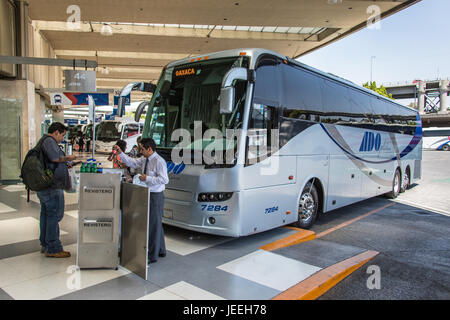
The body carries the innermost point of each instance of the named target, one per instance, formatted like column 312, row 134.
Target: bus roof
column 254, row 53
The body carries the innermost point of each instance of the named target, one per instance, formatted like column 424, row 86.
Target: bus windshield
column 108, row 131
column 194, row 96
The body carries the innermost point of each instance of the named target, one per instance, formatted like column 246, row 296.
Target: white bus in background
column 109, row 131
column 338, row 143
column 436, row 139
column 87, row 132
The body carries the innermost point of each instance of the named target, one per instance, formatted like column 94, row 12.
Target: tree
column 381, row 90
column 414, row 105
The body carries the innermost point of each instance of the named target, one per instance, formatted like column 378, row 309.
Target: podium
column 98, row 221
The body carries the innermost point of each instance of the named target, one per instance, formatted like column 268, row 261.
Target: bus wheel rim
column 397, row 183
column 307, row 207
column 406, row 181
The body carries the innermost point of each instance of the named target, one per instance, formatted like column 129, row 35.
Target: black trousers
column 156, row 242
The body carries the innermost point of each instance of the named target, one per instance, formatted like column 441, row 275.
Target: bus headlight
column 214, row 197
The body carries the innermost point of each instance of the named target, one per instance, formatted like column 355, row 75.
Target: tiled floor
column 181, row 290
column 270, row 269
column 197, row 266
column 4, row 208
column 20, row 230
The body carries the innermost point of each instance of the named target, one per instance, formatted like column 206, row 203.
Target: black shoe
column 152, row 261
column 162, row 255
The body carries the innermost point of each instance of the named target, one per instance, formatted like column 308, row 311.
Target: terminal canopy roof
column 132, row 40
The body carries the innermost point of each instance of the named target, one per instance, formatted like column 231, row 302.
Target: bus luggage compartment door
column 275, row 170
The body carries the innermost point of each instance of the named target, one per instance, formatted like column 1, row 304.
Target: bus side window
column 267, row 83
column 262, row 116
column 262, row 122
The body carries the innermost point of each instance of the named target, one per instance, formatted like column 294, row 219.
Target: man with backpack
column 52, row 198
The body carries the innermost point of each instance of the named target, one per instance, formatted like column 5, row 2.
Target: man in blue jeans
column 52, row 199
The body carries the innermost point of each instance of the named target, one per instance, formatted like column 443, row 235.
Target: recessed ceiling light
column 106, row 30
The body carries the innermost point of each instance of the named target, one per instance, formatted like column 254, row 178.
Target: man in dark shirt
column 52, row 199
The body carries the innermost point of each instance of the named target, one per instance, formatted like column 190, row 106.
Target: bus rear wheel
column 446, row 147
column 396, row 185
column 406, row 181
column 308, row 206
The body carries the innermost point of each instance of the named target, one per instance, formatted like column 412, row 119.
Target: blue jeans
column 52, row 212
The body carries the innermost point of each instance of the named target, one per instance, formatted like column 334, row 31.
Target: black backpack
column 35, row 172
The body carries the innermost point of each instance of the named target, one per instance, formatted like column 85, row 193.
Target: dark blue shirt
column 53, row 152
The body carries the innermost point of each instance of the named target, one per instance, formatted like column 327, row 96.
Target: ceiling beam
column 88, row 27
column 121, row 54
column 48, row 61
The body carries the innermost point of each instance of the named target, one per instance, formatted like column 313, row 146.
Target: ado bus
column 436, row 139
column 307, row 142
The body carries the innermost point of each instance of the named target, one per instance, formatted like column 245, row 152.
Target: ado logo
column 175, row 168
column 370, row 142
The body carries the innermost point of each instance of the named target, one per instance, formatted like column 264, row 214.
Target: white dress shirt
column 156, row 173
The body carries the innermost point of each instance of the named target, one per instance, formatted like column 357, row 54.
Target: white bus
column 338, row 143
column 436, row 139
column 109, row 131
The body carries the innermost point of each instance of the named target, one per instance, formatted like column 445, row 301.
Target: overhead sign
column 80, row 80
column 78, row 99
column 71, row 122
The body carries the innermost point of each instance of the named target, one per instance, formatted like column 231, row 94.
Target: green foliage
column 381, row 90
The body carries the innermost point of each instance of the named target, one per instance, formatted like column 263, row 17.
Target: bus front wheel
column 308, row 206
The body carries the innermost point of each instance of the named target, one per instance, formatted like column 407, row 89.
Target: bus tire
column 406, row 181
column 446, row 147
column 396, row 185
column 308, row 207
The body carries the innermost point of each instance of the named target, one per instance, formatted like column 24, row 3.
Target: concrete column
column 421, row 96
column 57, row 115
column 39, row 116
column 444, row 89
column 22, row 91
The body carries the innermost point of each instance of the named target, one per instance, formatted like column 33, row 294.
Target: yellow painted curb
column 301, row 236
column 322, row 281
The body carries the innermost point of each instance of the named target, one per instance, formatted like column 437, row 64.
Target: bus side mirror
column 139, row 110
column 165, row 89
column 226, row 100
column 227, row 91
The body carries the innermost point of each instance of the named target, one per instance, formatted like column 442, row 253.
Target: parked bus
column 109, row 131
column 326, row 142
column 436, row 139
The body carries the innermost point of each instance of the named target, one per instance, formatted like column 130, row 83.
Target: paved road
column 414, row 243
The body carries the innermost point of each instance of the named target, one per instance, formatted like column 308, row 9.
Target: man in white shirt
column 154, row 174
